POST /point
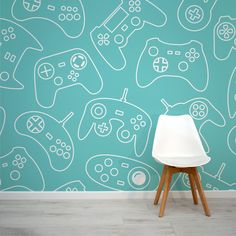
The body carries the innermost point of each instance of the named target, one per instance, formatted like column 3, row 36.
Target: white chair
column 178, row 146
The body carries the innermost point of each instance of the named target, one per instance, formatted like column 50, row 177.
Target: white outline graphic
column 210, row 182
column 63, row 70
column 131, row 13
column 198, row 7
column 232, row 144
column 3, row 118
column 14, row 57
column 153, row 62
column 101, row 123
column 134, row 174
column 74, row 14
column 231, row 95
column 34, row 124
column 224, row 39
column 16, row 167
column 200, row 109
column 72, row 186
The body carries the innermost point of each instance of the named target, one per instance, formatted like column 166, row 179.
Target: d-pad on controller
column 226, row 31
column 31, row 5
column 35, row 124
column 198, row 110
column 194, row 14
column 46, row 71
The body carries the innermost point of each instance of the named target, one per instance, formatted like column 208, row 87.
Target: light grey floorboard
column 116, row 218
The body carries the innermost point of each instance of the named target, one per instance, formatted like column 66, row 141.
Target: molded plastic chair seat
column 178, row 146
column 188, row 161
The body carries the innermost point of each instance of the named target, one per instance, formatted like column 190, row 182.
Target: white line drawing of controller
column 231, row 140
column 210, row 182
column 224, row 37
column 2, row 119
column 63, row 70
column 121, row 173
column 231, row 95
column 201, row 110
column 69, row 16
column 183, row 61
column 100, row 113
column 19, row 170
column 50, row 134
column 73, row 186
column 13, row 49
column 195, row 15
column 113, row 34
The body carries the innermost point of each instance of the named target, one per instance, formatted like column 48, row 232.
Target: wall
column 82, row 86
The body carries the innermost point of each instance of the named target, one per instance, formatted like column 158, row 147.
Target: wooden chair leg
column 161, row 184
column 166, row 191
column 193, row 188
column 201, row 192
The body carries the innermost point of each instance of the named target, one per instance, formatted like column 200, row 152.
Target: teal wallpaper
column 83, row 83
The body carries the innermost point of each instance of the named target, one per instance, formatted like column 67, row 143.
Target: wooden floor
column 116, row 217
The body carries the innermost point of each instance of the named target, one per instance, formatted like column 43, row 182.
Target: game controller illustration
column 201, row 110
column 135, row 123
column 121, row 173
column 231, row 95
column 73, row 186
column 231, row 140
column 209, row 182
column 195, row 15
column 2, row 118
column 69, row 16
column 50, row 134
column 113, row 34
column 14, row 42
column 183, row 61
column 224, row 38
column 19, row 170
column 63, row 70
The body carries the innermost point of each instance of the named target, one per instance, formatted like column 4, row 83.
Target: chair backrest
column 176, row 136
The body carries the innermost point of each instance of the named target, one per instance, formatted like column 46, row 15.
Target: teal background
column 218, row 174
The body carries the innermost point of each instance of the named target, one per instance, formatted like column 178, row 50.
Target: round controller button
column 142, row 123
column 119, row 38
column 114, row 172
column 160, row 64
column 58, row 81
column 4, row 76
column 108, row 162
column 98, row 111
column 52, row 148
column 125, row 134
column 66, row 155
column 35, row 124
column 183, row 66
column 138, row 178
column 153, row 51
column 15, row 175
column 59, row 152
column 198, row 110
column 139, row 117
column 104, row 178
column 78, row 61
column 135, row 21
column 58, row 141
column 46, row 71
column 98, row 168
column 18, row 157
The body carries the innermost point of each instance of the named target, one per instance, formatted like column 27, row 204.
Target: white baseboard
column 106, row 195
